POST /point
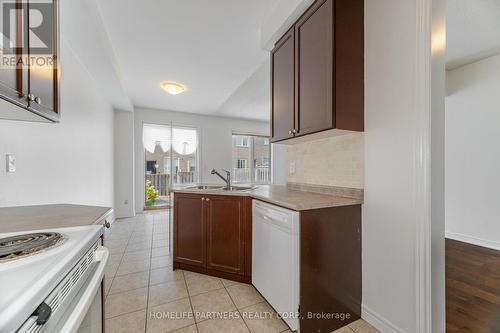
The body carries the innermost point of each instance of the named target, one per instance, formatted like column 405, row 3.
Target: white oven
column 75, row 305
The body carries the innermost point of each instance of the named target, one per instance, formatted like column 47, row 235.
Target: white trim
column 379, row 322
column 422, row 168
column 473, row 240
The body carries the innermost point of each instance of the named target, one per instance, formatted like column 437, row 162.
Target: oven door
column 85, row 313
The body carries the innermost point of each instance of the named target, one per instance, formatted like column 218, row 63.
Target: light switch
column 292, row 167
column 11, row 163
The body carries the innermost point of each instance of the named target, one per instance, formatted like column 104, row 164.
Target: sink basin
column 238, row 188
column 206, row 187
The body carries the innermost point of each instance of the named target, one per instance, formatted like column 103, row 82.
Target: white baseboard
column 473, row 240
column 379, row 322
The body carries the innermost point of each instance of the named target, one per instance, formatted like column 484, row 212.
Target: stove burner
column 20, row 246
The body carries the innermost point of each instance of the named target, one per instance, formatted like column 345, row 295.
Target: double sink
column 223, row 188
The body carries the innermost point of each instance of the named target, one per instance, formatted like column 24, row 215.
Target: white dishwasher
column 275, row 258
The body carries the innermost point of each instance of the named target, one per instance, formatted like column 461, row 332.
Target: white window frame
column 250, row 160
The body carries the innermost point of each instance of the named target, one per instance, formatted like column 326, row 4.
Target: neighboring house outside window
column 256, row 150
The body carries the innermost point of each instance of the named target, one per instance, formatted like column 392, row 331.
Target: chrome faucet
column 227, row 179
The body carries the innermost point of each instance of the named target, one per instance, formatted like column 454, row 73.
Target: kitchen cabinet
column 212, row 235
column 189, row 235
column 330, row 267
column 32, row 82
column 283, row 66
column 325, row 69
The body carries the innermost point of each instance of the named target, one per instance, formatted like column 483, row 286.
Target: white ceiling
column 472, row 31
column 211, row 46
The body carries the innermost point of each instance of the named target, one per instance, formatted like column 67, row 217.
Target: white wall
column 70, row 162
column 215, row 141
column 124, row 164
column 472, row 153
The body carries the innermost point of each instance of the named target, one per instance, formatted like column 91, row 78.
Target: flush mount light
column 172, row 87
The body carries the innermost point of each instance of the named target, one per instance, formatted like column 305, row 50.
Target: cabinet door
column 282, row 87
column 44, row 74
column 314, row 47
column 189, row 229
column 13, row 74
column 225, row 234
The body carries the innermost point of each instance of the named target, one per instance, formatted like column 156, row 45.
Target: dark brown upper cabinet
column 30, row 88
column 324, row 88
column 283, row 86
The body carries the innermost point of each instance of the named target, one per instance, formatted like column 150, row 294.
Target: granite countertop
column 27, row 218
column 293, row 196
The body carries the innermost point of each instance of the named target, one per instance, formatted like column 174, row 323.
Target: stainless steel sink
column 238, row 188
column 206, row 187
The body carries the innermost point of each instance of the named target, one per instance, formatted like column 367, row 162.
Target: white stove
column 51, row 285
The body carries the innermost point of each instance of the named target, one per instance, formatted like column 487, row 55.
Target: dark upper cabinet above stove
column 30, row 71
column 317, row 72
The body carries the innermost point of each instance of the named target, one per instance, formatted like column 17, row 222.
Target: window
column 240, row 140
column 241, row 164
column 255, row 149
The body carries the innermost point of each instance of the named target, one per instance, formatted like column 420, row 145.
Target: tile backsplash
column 333, row 161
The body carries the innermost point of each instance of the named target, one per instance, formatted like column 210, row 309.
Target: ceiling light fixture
column 172, row 87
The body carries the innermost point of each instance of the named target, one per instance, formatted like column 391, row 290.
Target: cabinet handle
column 31, row 97
column 290, row 132
column 208, row 199
column 202, row 199
column 38, row 100
column 295, row 131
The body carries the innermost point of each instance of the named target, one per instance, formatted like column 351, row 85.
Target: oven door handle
column 80, row 310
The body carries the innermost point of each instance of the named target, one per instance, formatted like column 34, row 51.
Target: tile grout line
column 238, row 310
column 190, row 303
column 149, row 278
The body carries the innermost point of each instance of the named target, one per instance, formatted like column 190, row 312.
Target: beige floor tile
column 160, row 251
column 126, row 302
column 261, row 318
column 163, row 275
column 129, row 282
column 233, row 325
column 160, row 243
column 134, row 247
column 133, row 266
column 167, row 292
column 137, row 255
column 189, row 329
column 344, row 329
column 244, row 295
column 134, row 322
column 157, row 236
column 107, row 285
column 212, row 301
column 228, row 283
column 158, row 323
column 110, row 270
column 159, row 262
column 198, row 284
column 361, row 326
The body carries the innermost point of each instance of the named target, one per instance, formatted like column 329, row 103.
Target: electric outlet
column 126, row 202
column 11, row 163
column 292, row 167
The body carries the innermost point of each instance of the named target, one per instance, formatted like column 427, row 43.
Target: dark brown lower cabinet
column 330, row 268
column 213, row 235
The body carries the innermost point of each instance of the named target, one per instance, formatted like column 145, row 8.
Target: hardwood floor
column 472, row 288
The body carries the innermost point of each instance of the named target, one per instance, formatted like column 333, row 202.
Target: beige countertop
column 26, row 218
column 295, row 197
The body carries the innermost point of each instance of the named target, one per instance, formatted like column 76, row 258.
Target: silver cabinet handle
column 295, row 131
column 208, row 199
column 31, row 97
column 38, row 100
column 290, row 132
column 202, row 199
